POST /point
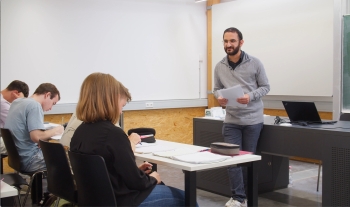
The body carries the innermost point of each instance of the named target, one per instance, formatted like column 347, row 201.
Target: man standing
column 16, row 89
column 26, row 121
column 242, row 125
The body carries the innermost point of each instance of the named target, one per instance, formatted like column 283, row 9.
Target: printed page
column 175, row 152
column 154, row 148
column 145, row 144
column 50, row 126
column 201, row 158
column 231, row 94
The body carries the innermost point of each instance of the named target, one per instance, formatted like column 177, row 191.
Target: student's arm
column 4, row 111
column 125, row 166
column 38, row 134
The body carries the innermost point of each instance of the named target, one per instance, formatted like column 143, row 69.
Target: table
column 190, row 170
column 328, row 143
column 7, row 190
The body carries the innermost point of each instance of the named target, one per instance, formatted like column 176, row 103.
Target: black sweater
column 131, row 185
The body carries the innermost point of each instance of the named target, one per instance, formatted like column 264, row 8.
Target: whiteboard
column 153, row 47
column 292, row 38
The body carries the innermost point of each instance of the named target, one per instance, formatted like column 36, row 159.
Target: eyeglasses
column 225, row 42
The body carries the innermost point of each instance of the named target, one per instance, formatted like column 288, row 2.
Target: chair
column 14, row 179
column 60, row 180
column 92, row 179
column 343, row 117
column 14, row 160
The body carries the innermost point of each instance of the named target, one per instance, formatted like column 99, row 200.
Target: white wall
column 152, row 46
column 292, row 38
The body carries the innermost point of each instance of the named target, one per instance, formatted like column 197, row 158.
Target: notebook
column 303, row 112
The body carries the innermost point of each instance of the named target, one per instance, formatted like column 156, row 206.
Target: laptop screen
column 302, row 111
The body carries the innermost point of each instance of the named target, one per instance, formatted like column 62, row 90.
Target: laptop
column 303, row 112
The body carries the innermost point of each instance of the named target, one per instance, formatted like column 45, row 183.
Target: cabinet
column 273, row 170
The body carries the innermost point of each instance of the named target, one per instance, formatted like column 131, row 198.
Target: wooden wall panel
column 170, row 124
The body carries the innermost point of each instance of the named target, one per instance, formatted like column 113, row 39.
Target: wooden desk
column 191, row 169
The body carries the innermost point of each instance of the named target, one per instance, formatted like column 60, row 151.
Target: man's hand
column 222, row 101
column 38, row 134
column 244, row 100
column 58, row 130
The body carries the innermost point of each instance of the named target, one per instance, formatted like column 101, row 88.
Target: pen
column 204, row 150
column 145, row 136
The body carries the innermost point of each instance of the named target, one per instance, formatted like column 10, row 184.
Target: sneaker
column 244, row 203
column 235, row 203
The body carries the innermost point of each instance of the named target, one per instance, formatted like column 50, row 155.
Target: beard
column 234, row 51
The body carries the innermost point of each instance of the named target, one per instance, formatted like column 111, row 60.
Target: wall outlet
column 149, row 104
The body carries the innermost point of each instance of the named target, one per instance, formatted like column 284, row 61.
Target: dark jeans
column 246, row 136
column 163, row 195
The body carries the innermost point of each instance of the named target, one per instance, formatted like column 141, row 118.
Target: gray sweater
column 250, row 74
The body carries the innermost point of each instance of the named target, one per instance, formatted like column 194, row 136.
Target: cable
column 278, row 120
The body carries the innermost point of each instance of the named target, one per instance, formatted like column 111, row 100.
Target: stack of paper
column 231, row 94
column 145, row 144
column 201, row 158
column 153, row 149
column 50, row 126
column 175, row 152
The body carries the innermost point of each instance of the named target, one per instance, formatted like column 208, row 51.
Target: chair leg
column 319, row 172
column 30, row 186
column 57, row 201
column 19, row 198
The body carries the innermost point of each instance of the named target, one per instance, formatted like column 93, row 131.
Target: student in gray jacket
column 242, row 125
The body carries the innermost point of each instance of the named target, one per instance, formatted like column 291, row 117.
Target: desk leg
column 253, row 184
column 190, row 188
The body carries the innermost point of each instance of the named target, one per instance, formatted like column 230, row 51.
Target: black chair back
column 14, row 161
column 92, row 179
column 344, row 117
column 60, row 180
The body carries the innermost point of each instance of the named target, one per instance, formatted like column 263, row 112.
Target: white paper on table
column 175, row 152
column 50, row 126
column 231, row 94
column 201, row 158
column 57, row 137
column 154, row 148
column 145, row 144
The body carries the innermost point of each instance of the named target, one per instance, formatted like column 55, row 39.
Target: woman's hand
column 146, row 167
column 135, row 138
column 156, row 176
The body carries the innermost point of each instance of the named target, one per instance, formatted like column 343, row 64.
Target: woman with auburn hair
column 100, row 104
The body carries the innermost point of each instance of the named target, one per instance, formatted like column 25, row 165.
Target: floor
column 301, row 192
